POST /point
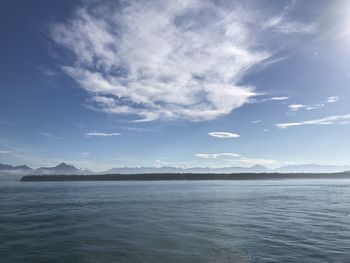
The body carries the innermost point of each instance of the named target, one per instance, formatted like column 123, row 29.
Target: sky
column 102, row 84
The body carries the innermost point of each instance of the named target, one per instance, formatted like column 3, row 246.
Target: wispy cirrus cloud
column 168, row 60
column 314, row 106
column 297, row 107
column 336, row 119
column 237, row 159
column 279, row 98
column 333, row 99
column 102, row 134
column 216, row 155
column 267, row 99
column 224, row 135
column 282, row 24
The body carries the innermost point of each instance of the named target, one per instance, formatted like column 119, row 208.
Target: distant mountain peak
column 62, row 168
column 65, row 166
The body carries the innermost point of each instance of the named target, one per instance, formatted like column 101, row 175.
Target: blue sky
column 103, row 84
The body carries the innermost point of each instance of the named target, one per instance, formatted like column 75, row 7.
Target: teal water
column 178, row 221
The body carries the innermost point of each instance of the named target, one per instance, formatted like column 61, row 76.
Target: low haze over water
column 182, row 221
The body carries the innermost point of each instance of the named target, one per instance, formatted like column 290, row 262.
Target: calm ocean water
column 206, row 221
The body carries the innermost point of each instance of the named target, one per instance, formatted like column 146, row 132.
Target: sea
column 175, row 221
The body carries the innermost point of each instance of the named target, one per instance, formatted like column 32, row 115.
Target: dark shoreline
column 183, row 176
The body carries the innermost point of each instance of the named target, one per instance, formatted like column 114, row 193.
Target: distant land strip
column 183, row 176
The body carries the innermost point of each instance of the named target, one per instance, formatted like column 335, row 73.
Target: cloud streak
column 101, row 134
column 280, row 22
column 336, row 119
column 234, row 158
column 224, row 135
column 167, row 60
column 216, row 155
column 275, row 99
column 279, row 98
column 332, row 99
column 297, row 107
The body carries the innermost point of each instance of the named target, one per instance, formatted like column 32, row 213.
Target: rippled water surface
column 206, row 221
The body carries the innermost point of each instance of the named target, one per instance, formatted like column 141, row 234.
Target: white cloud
column 237, row 159
column 314, row 106
column 101, row 134
column 256, row 121
column 168, row 59
column 332, row 99
column 255, row 100
column 279, row 98
column 216, row 155
column 297, row 107
column 224, row 135
column 337, row 119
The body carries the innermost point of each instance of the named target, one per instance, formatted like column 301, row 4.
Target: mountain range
column 7, row 167
column 170, row 169
column 62, row 169
column 66, row 169
column 306, row 168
